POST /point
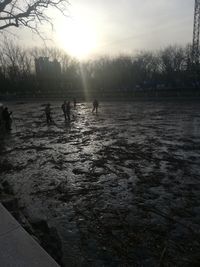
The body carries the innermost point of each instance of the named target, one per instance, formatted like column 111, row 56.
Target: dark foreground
column 118, row 189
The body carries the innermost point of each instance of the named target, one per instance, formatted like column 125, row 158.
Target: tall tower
column 196, row 30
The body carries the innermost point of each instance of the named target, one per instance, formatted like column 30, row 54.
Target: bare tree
column 28, row 13
column 172, row 59
column 15, row 58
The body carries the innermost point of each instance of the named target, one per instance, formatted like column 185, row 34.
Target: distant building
column 47, row 69
column 48, row 74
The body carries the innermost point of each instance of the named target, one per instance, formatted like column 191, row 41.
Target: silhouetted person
column 1, row 116
column 64, row 109
column 74, row 102
column 95, row 106
column 48, row 113
column 68, row 110
column 6, row 118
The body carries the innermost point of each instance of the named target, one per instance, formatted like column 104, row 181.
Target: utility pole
column 196, row 30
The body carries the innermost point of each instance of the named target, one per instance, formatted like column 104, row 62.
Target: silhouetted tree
column 106, row 76
column 172, row 64
column 16, row 66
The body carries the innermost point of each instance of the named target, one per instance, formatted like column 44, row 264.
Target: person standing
column 64, row 109
column 1, row 116
column 68, row 110
column 6, row 116
column 74, row 102
column 48, row 113
column 95, row 106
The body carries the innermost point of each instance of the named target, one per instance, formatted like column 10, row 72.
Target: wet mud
column 121, row 188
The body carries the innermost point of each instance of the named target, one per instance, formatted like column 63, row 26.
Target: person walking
column 95, row 106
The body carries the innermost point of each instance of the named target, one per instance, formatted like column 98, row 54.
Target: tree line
column 169, row 69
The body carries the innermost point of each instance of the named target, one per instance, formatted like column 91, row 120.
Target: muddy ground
column 121, row 188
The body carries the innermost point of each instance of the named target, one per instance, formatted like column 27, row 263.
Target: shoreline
column 46, row 236
column 125, row 100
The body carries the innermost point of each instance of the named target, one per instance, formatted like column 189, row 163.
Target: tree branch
column 28, row 13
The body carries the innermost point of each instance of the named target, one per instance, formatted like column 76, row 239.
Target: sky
column 110, row 27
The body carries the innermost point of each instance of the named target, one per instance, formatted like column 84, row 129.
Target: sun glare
column 77, row 39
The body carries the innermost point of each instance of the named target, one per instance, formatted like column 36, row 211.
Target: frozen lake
column 121, row 188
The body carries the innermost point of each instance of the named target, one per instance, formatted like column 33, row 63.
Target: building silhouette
column 48, row 74
column 47, row 69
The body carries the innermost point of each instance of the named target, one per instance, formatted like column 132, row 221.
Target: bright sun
column 77, row 39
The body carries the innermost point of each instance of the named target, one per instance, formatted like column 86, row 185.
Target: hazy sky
column 121, row 26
